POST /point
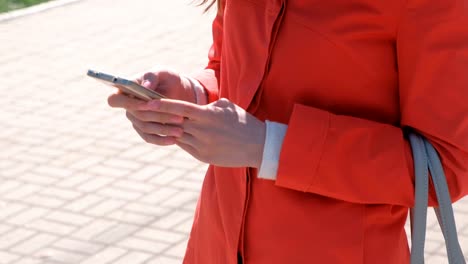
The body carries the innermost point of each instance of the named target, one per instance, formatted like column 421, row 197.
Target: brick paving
column 77, row 184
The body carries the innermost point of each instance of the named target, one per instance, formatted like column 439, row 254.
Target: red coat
column 346, row 76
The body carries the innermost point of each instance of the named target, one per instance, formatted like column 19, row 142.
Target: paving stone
column 180, row 198
column 134, row 258
column 82, row 247
column 132, row 218
column 33, row 244
column 109, row 171
column 150, row 210
column 28, row 260
column 177, row 250
column 159, row 195
column 167, row 176
column 149, row 246
column 95, row 184
column 92, row 230
column 83, row 203
column 7, row 257
column 86, row 162
column 69, row 218
column 146, row 173
column 105, row 207
column 14, row 237
column 5, row 228
column 187, row 185
column 37, row 179
column 185, row 227
column 122, row 163
column 120, row 194
column 8, row 209
column 109, row 255
column 59, row 256
column 27, row 216
column 21, row 192
column 165, row 260
column 44, row 201
column 116, row 233
column 134, row 186
column 73, row 181
column 47, row 226
column 160, row 235
column 9, row 185
column 172, row 219
column 60, row 193
column 53, row 171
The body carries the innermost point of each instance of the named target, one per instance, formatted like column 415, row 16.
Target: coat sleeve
column 210, row 76
column 363, row 161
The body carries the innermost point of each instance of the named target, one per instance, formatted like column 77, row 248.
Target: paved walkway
column 76, row 183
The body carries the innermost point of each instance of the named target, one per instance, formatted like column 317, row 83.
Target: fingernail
column 146, row 84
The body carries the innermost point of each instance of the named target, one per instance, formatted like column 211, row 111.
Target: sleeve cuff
column 275, row 133
column 303, row 147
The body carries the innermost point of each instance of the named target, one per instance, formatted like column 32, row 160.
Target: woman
column 309, row 160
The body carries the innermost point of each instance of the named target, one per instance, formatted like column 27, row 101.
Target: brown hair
column 209, row 5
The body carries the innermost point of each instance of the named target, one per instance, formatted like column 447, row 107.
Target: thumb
column 150, row 81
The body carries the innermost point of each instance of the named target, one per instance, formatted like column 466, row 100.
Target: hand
column 220, row 133
column 168, row 83
column 169, row 126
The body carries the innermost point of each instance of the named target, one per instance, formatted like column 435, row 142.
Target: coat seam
column 364, row 233
column 400, row 19
column 339, row 46
column 322, row 149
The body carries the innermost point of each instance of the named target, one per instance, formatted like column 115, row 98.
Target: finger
column 177, row 107
column 155, row 128
column 150, row 80
column 120, row 100
column 188, row 139
column 156, row 139
column 192, row 127
column 151, row 116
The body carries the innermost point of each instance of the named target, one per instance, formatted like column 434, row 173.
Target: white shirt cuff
column 275, row 133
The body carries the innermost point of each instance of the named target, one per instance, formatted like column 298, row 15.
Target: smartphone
column 126, row 86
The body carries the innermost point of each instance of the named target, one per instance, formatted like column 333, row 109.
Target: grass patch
column 8, row 5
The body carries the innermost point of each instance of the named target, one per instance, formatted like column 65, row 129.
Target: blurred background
column 77, row 185
column 8, row 5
